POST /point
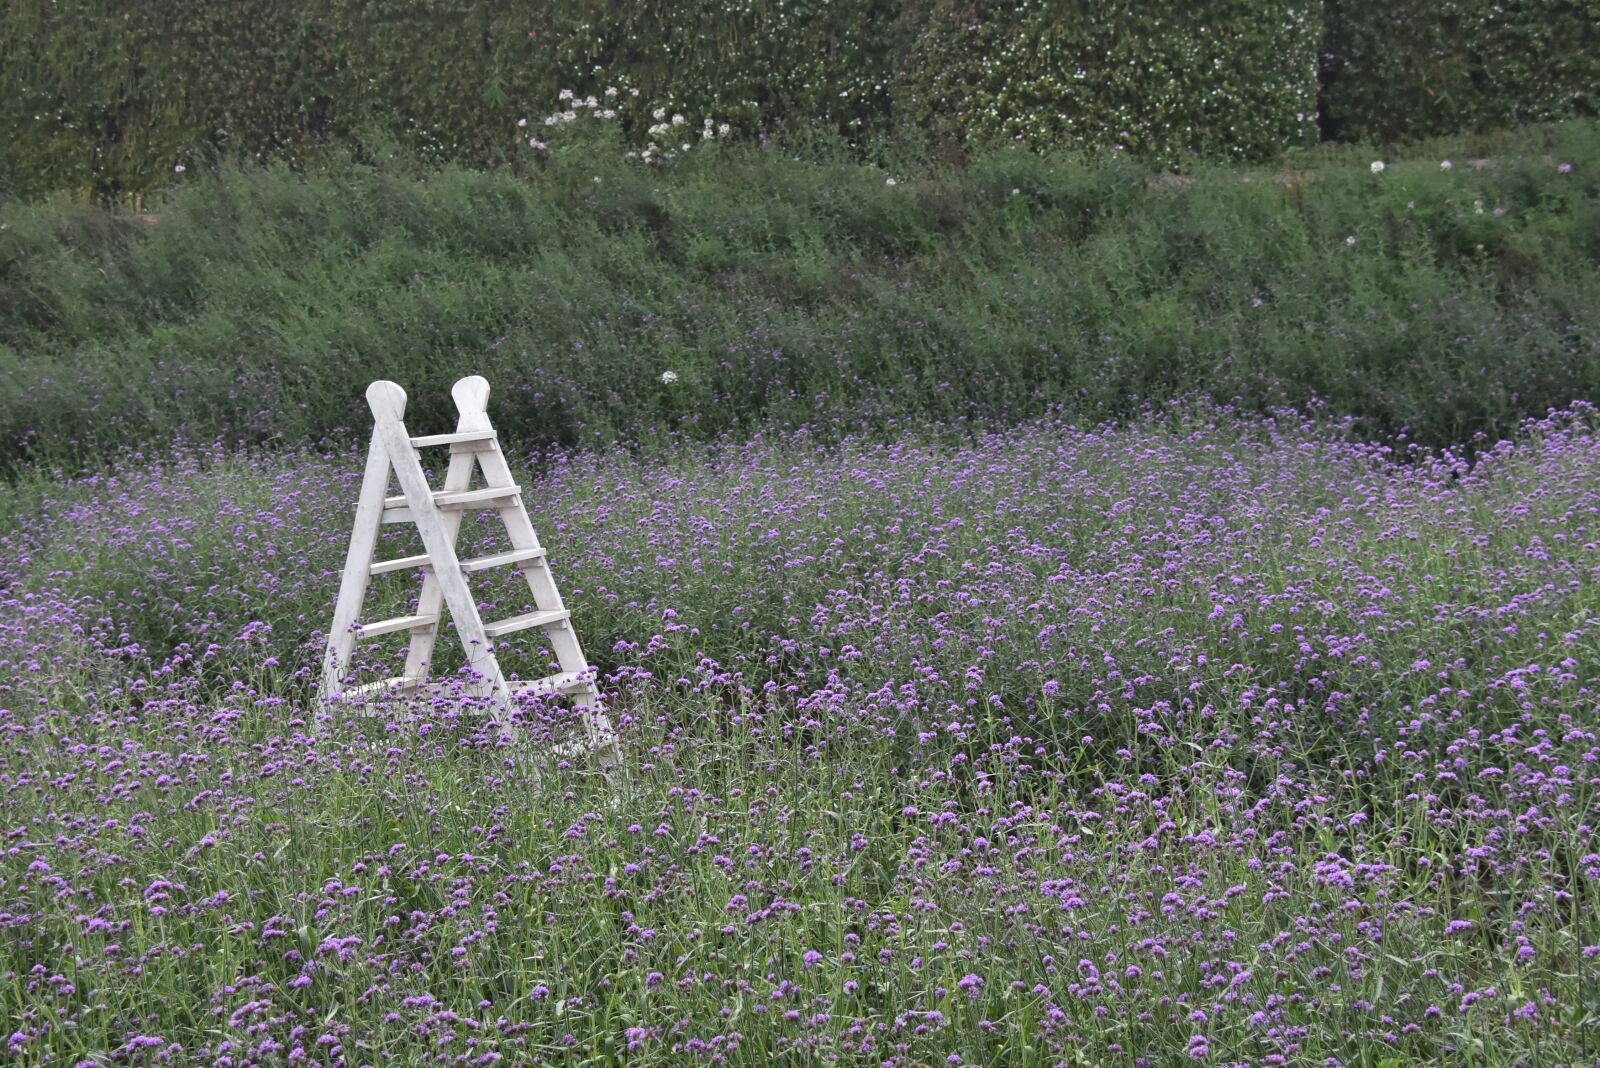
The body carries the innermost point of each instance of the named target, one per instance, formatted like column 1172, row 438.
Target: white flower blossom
column 608, row 113
column 668, row 377
column 677, row 120
column 1351, row 240
column 658, row 114
column 565, row 94
column 1444, row 166
column 521, row 123
column 890, row 181
column 724, row 130
column 1377, row 166
column 611, row 91
column 633, row 92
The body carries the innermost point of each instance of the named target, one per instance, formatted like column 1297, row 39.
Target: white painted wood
column 482, row 438
column 472, row 399
column 438, row 515
column 531, row 557
column 389, row 626
column 458, row 476
column 482, row 563
column 353, row 585
column 526, row 621
column 566, row 682
column 399, row 682
column 438, row 531
column 488, row 497
column 403, row 563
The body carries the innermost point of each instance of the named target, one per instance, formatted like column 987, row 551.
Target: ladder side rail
column 387, row 401
column 471, row 395
column 358, row 561
column 472, row 399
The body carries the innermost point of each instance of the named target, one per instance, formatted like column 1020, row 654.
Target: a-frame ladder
column 437, row 515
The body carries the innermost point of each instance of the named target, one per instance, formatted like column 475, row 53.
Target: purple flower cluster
column 1199, row 738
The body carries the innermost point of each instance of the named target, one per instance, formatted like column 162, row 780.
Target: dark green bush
column 108, row 97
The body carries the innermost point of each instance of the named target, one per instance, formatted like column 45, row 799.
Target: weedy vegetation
column 1054, row 616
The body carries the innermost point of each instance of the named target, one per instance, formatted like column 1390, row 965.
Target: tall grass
column 787, row 285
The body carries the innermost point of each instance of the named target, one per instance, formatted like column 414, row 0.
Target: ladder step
column 515, row 556
column 396, row 510
column 399, row 682
column 482, row 563
column 525, row 621
column 566, row 682
column 482, row 438
column 460, row 498
column 404, row 563
column 389, row 626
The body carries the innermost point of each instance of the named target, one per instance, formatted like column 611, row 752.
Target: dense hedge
column 1417, row 68
column 110, row 96
column 1222, row 79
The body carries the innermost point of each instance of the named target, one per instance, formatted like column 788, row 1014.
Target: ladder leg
column 357, row 562
column 430, row 602
column 597, row 728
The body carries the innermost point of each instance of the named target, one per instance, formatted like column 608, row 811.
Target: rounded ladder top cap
column 471, row 393
column 385, row 397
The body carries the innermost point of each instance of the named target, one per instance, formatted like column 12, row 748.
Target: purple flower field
column 1200, row 739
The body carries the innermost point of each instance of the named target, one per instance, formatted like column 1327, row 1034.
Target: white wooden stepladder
column 437, row 515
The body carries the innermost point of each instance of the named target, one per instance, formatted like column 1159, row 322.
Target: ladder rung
column 484, row 438
column 515, row 556
column 389, row 626
column 482, row 563
column 397, row 510
column 399, row 682
column 524, row 621
column 404, row 563
column 475, row 498
column 566, row 682
column 461, row 498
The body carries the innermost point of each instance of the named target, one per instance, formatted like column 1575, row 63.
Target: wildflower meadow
column 1202, row 736
column 1047, row 620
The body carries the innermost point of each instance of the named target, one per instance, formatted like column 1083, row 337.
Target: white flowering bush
column 616, row 115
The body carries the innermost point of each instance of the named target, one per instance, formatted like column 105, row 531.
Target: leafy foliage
column 1438, row 303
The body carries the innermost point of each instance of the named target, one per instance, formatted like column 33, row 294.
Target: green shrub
column 785, row 292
